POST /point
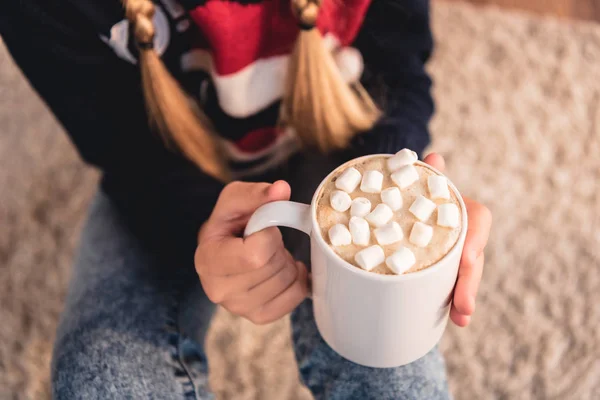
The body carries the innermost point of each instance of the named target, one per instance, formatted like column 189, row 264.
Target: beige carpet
column 519, row 121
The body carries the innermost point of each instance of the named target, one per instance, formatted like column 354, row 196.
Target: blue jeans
column 133, row 329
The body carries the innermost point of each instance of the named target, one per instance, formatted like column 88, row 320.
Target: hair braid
column 169, row 107
column 322, row 108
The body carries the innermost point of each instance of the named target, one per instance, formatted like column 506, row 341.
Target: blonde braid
column 168, row 106
column 322, row 108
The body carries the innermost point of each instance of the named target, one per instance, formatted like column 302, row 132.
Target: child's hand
column 471, row 263
column 255, row 277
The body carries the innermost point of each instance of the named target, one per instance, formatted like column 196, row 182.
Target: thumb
column 238, row 201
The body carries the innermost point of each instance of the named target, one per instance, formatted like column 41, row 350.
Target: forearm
column 396, row 43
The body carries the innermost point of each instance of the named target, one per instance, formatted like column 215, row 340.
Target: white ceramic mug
column 374, row 320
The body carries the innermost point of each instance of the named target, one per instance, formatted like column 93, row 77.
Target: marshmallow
column 402, row 158
column 405, row 176
column 401, row 260
column 370, row 257
column 371, row 182
column 360, row 231
column 360, row 207
column 388, row 234
column 438, row 187
column 380, row 215
column 422, row 208
column 339, row 235
column 348, row 180
column 421, row 234
column 392, row 197
column 340, row 201
column 448, row 215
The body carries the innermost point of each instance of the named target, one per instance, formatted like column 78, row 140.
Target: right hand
column 254, row 277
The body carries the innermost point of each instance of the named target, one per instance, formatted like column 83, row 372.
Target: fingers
column 220, row 250
column 266, row 279
column 471, row 263
column 286, row 302
column 436, row 161
column 275, row 297
column 220, row 288
column 459, row 319
column 479, row 225
column 265, row 291
column 467, row 286
column 238, row 201
column 227, row 256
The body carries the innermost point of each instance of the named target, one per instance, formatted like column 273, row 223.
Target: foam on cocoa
column 443, row 238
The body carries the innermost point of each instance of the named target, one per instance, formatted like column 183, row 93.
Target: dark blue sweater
column 97, row 97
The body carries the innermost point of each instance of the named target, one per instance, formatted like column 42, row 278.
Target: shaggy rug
column 519, row 121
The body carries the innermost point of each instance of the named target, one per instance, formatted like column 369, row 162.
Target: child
column 173, row 100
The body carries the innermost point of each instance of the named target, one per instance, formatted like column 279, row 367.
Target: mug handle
column 280, row 213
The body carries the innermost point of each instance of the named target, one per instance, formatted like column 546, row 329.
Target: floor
column 577, row 9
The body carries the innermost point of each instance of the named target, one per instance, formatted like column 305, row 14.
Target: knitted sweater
column 231, row 56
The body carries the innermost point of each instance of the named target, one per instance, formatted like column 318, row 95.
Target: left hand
column 472, row 260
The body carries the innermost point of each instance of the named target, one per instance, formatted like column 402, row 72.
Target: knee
column 84, row 363
column 98, row 362
column 421, row 379
column 330, row 376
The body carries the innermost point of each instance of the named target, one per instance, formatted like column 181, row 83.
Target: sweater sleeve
column 97, row 98
column 396, row 43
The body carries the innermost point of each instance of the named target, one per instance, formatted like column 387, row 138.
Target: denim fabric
column 133, row 330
